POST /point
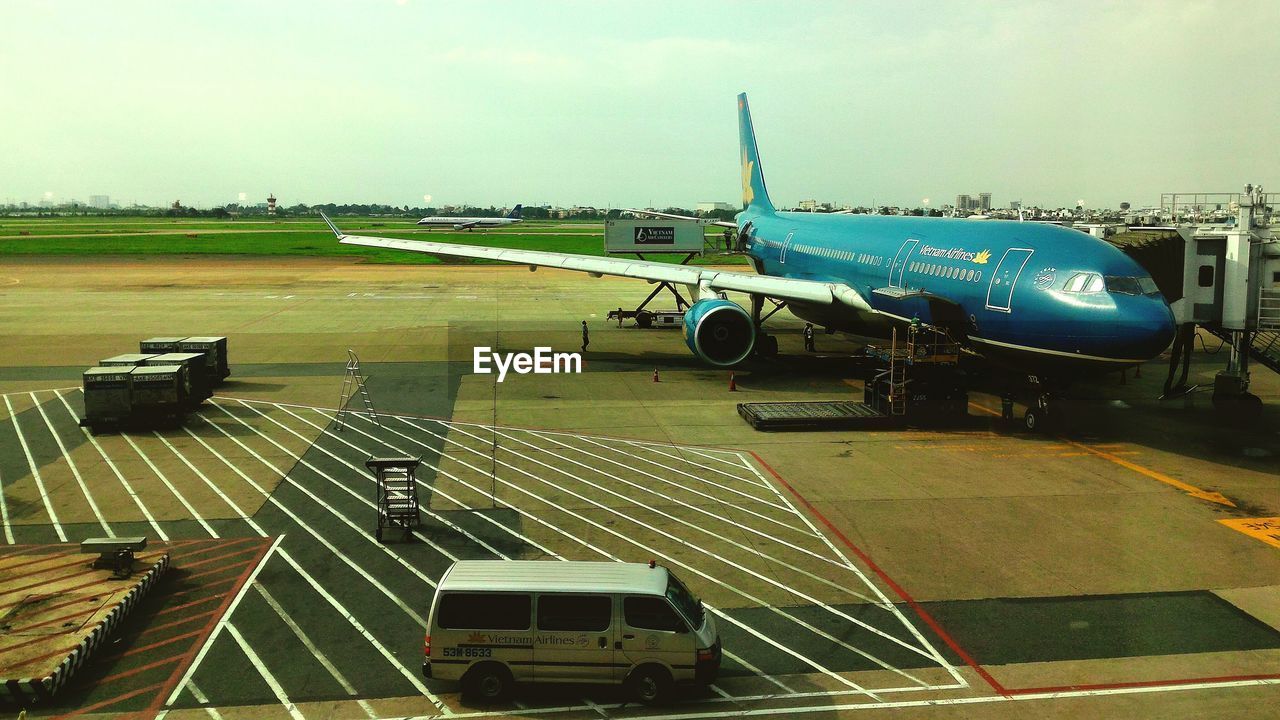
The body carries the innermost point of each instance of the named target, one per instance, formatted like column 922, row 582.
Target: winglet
column 332, row 227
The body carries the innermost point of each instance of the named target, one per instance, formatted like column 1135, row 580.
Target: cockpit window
column 1084, row 283
column 1131, row 285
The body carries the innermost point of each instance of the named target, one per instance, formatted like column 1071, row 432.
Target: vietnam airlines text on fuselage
column 1042, row 296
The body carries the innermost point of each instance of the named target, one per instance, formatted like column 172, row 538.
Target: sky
column 616, row 104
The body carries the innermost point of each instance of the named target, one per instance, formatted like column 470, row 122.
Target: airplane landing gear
column 1045, row 409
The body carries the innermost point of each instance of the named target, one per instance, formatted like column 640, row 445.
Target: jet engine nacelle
column 719, row 332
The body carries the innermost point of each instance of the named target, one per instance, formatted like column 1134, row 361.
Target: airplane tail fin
column 515, row 212
column 754, row 195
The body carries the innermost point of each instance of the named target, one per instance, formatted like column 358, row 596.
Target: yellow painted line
column 1192, row 490
column 1265, row 529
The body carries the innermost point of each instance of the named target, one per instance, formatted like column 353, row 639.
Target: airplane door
column 1005, row 277
column 782, row 256
column 900, row 263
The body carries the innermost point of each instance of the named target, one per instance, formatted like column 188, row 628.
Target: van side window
column 484, row 611
column 651, row 613
column 586, row 613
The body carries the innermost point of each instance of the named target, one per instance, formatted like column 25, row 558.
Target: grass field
column 304, row 237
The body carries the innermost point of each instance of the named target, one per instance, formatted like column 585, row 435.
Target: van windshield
column 684, row 601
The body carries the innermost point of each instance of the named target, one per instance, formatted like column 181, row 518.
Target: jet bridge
column 1222, row 272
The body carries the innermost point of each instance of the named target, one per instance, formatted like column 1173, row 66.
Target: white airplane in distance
column 469, row 223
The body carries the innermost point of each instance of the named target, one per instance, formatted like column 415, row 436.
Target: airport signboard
column 664, row 235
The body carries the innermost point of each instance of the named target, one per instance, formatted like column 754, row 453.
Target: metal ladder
column 897, row 378
column 352, row 383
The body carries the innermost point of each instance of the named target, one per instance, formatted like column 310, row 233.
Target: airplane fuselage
column 1040, row 298
column 468, row 222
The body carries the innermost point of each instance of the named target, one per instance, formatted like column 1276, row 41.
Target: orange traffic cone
column 733, row 386
column 655, row 375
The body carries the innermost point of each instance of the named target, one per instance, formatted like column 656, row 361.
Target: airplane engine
column 719, row 332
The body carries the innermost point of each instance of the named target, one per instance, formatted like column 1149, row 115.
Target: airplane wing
column 811, row 291
column 464, row 226
column 669, row 216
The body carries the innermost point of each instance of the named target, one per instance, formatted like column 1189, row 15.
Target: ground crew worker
column 808, row 337
column 619, row 317
column 586, row 340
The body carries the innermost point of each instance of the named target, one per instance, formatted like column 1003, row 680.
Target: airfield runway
column 1129, row 568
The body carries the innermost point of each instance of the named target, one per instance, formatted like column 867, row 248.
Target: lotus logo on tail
column 747, row 193
column 982, row 257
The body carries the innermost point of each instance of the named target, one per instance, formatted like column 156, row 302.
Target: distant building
column 808, row 205
column 102, row 202
column 967, row 203
column 706, row 207
column 271, row 203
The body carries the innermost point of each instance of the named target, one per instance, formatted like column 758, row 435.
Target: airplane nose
column 1153, row 329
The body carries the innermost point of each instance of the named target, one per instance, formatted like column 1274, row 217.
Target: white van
column 494, row 623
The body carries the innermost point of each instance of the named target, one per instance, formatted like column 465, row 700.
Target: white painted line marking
column 673, row 561
column 223, row 622
column 311, row 646
column 133, row 494
column 714, row 556
column 718, row 518
column 933, row 651
column 209, row 529
column 75, row 471
column 741, row 661
column 439, row 491
column 382, row 650
column 393, row 597
column 204, row 478
column 265, row 673
column 665, row 481
column 359, row 473
column 708, row 468
column 200, row 698
column 35, row 471
column 262, row 491
column 691, row 476
column 364, row 473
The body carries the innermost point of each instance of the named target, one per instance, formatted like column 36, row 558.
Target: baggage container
column 107, row 396
column 159, row 392
column 197, row 372
column 215, row 349
column 125, row 360
column 157, row 345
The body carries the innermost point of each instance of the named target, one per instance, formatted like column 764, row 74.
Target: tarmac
column 1128, row 567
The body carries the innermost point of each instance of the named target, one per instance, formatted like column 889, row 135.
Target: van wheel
column 650, row 684
column 488, row 682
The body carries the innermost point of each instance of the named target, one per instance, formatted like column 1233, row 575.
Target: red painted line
column 156, row 628
column 42, row 623
column 43, row 558
column 216, row 558
column 129, row 673
column 901, row 592
column 212, row 545
column 207, row 630
column 183, row 606
column 78, row 562
column 955, row 647
column 215, row 571
column 152, row 646
column 108, row 701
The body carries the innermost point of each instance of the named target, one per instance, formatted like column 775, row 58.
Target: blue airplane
column 1037, row 299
